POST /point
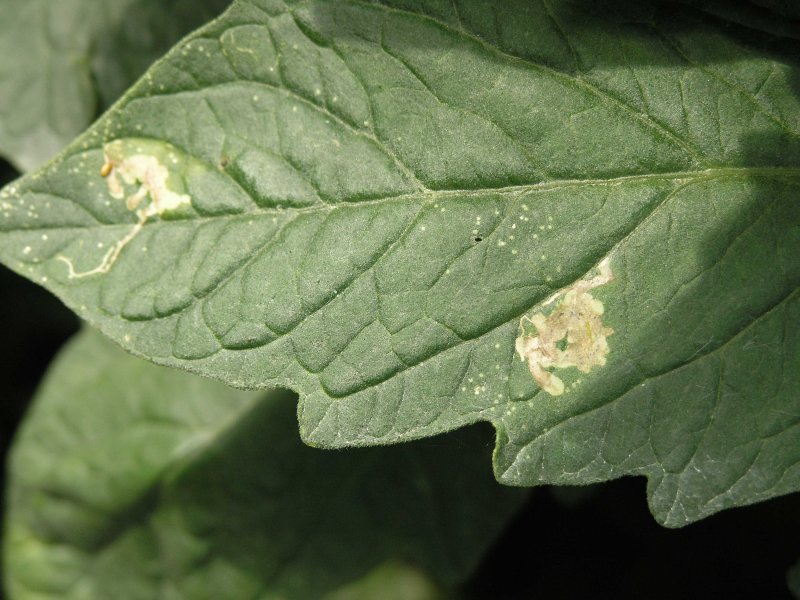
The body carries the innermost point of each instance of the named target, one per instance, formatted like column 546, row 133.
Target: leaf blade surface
column 380, row 199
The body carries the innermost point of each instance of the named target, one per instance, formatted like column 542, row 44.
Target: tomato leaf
column 580, row 224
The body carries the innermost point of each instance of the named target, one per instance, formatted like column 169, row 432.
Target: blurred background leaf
column 63, row 62
column 132, row 481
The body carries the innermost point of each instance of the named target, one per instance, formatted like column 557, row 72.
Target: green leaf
column 62, row 61
column 370, row 203
column 131, row 481
column 793, row 579
column 392, row 581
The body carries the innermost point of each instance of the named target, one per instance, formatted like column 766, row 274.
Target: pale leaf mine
column 571, row 335
column 127, row 163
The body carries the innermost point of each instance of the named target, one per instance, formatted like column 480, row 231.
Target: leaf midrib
column 441, row 195
column 333, row 397
column 662, row 202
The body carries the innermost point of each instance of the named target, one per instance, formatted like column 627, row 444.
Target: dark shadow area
column 34, row 325
column 609, row 546
column 747, row 23
column 789, row 8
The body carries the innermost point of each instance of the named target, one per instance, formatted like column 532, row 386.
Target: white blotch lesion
column 145, row 171
column 128, row 166
column 572, row 334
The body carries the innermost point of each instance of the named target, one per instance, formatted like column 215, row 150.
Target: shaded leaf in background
column 380, row 191
column 64, row 61
column 793, row 580
column 392, row 581
column 132, row 481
